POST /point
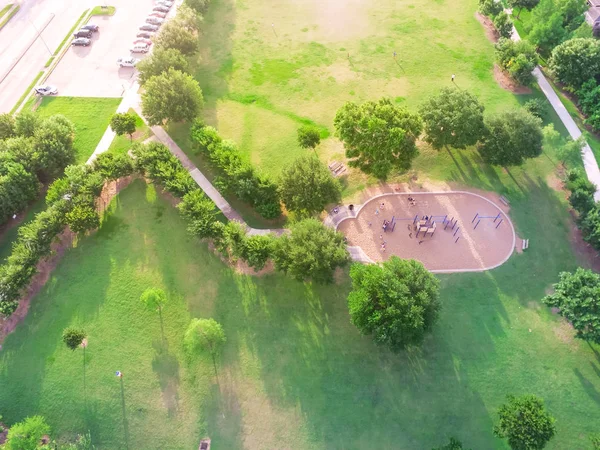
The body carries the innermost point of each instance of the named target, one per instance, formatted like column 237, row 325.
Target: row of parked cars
column 143, row 40
column 84, row 34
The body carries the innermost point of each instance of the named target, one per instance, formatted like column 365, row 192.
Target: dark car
column 148, row 27
column 83, row 34
column 83, row 42
column 91, row 27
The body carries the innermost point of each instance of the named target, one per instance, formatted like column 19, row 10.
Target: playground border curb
column 484, row 269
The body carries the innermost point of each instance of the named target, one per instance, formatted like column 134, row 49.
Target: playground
column 446, row 231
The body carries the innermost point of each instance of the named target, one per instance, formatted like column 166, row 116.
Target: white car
column 166, row 3
column 127, row 61
column 46, row 90
column 140, row 47
column 154, row 20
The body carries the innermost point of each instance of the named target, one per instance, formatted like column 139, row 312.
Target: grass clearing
column 103, row 11
column 4, row 10
column 122, row 144
column 9, row 16
column 90, row 116
column 293, row 371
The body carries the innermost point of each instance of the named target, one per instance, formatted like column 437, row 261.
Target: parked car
column 127, row 61
column 46, row 90
column 144, row 34
column 148, row 27
column 139, row 48
column 81, row 42
column 91, row 27
column 166, row 3
column 162, row 15
column 83, row 33
column 154, row 20
column 161, row 8
column 142, row 41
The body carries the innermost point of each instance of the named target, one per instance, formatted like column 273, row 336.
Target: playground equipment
column 478, row 218
column 426, row 227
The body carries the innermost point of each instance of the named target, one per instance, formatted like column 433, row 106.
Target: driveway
column 93, row 71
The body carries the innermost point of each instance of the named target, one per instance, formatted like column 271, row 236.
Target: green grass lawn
column 90, row 116
column 122, row 144
column 294, row 372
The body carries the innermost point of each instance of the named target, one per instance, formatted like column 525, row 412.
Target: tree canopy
column 522, row 4
column 73, row 337
column 27, row 435
column 123, row 123
column 577, row 296
column 204, row 334
column 503, row 24
column 308, row 136
column 395, row 302
column 153, row 299
column 172, row 96
column 161, row 60
column 453, row 118
column 576, row 61
column 173, row 35
column 379, row 136
column 307, row 186
column 524, row 422
column 310, row 252
column 512, row 137
column 517, row 58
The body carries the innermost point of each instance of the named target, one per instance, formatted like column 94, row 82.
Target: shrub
column 200, row 213
column 490, row 8
column 517, row 58
column 503, row 24
column 112, row 166
column 538, row 107
column 257, row 250
column 576, row 61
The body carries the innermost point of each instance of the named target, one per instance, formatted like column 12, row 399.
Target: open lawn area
column 294, row 372
column 90, row 116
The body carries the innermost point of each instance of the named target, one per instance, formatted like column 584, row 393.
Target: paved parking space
column 93, row 71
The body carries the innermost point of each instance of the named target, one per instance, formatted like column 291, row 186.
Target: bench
column 525, row 244
column 504, row 200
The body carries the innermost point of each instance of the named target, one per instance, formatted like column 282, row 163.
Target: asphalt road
column 55, row 17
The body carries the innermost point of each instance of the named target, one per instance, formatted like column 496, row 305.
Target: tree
column 522, row 4
column 310, row 251
column 307, row 186
column 595, row 439
column 378, row 136
column 576, row 61
column 257, row 249
column 53, row 141
column 454, row 444
column 154, row 299
column 73, row 337
column 504, row 25
column 82, row 218
column 538, row 107
column 577, row 295
column 27, row 435
column 172, row 96
column 197, row 5
column 204, row 334
column 395, row 302
column 308, row 137
column 512, row 137
column 453, row 118
column 525, row 423
column 490, row 8
column 26, row 123
column 573, row 13
column 172, row 35
column 160, row 61
column 547, row 32
column 7, row 126
column 517, row 58
column 18, row 187
column 571, row 149
column 123, row 123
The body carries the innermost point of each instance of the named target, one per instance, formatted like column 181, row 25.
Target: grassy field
column 89, row 115
column 294, row 372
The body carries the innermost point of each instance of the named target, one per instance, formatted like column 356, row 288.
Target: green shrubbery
column 237, row 176
column 518, row 59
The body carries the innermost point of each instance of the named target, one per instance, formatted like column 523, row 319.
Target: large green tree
column 307, row 186
column 396, row 302
column 73, row 337
column 310, row 252
column 576, row 61
column 161, row 60
column 577, row 296
column 517, row 58
column 53, row 142
column 172, row 35
column 26, row 123
column 123, row 123
column 379, row 136
column 27, row 435
column 309, row 137
column 172, row 96
column 7, row 126
column 452, row 118
column 512, row 137
column 18, row 187
column 524, row 422
column 204, row 334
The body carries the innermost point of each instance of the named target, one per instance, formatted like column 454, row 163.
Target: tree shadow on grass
column 349, row 393
column 166, row 367
column 588, row 386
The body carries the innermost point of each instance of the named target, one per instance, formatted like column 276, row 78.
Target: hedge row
column 582, row 200
column 237, row 176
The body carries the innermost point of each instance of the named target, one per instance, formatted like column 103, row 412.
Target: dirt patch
column 564, row 332
column 46, row 266
column 507, row 83
column 490, row 30
column 4, row 433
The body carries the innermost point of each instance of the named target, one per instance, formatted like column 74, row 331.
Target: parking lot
column 93, row 71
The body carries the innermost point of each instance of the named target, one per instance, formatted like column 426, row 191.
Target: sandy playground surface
column 478, row 248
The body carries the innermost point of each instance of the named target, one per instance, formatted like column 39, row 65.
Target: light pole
column 40, row 34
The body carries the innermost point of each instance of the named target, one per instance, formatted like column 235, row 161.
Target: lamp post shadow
column 125, row 424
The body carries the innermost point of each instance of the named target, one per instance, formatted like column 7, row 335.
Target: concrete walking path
column 589, row 160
